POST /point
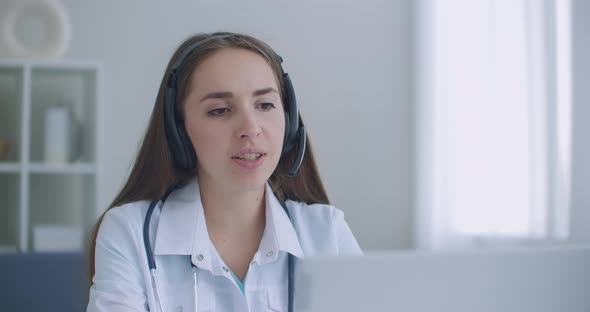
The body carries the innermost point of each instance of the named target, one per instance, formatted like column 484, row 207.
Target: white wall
column 580, row 218
column 351, row 64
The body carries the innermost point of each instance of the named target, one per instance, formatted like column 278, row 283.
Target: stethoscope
column 152, row 262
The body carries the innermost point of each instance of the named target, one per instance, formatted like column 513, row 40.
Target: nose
column 249, row 126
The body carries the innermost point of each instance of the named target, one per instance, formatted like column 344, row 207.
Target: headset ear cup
column 286, row 146
column 186, row 153
column 180, row 145
column 291, row 115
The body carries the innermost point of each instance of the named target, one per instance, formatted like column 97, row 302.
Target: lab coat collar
column 279, row 233
column 176, row 226
column 182, row 229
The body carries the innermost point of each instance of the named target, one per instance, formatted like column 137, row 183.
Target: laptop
column 536, row 279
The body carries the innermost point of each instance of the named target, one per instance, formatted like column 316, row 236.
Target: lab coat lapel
column 177, row 225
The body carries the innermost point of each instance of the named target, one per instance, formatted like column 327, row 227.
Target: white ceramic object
column 60, row 135
column 44, row 21
column 57, row 238
column 5, row 249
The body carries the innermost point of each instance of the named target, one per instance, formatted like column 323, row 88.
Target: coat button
column 179, row 309
column 269, row 254
column 225, row 269
column 200, row 257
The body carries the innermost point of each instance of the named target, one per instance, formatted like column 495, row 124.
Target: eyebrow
column 227, row 94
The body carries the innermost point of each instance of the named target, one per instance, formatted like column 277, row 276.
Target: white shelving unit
column 33, row 191
column 9, row 167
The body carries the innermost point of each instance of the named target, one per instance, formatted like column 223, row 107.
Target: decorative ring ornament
column 48, row 18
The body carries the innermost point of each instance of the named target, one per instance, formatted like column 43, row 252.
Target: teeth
column 250, row 156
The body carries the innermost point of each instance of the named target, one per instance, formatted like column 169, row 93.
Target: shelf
column 51, row 64
column 49, row 113
column 75, row 91
column 8, row 249
column 11, row 93
column 9, row 209
column 47, row 209
column 9, row 167
column 76, row 168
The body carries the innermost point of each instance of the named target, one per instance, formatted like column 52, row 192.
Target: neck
column 235, row 223
column 231, row 212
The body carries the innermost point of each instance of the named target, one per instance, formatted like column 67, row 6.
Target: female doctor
column 224, row 196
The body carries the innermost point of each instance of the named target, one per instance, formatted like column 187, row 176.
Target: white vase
column 59, row 135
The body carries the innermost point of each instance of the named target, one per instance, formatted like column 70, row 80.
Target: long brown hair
column 154, row 171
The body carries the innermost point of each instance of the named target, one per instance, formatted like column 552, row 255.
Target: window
column 493, row 122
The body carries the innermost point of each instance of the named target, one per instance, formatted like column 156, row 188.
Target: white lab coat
column 122, row 281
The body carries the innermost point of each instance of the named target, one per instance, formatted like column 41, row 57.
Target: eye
column 218, row 111
column 266, row 106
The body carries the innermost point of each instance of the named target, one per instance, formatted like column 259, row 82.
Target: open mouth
column 249, row 156
column 249, row 160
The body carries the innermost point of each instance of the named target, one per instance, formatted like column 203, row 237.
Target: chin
column 250, row 182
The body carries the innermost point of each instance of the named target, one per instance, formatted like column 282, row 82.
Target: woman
column 224, row 195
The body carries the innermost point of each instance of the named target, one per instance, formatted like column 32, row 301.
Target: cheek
column 204, row 140
column 278, row 133
column 192, row 132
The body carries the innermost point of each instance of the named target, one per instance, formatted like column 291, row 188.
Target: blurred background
column 437, row 124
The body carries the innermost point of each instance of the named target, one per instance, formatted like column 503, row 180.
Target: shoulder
column 322, row 229
column 316, row 214
column 119, row 263
column 129, row 213
column 123, row 221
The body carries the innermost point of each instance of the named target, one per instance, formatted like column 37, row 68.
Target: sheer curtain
column 493, row 122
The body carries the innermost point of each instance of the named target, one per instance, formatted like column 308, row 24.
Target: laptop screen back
column 534, row 279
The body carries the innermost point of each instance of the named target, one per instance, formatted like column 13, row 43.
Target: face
column 234, row 118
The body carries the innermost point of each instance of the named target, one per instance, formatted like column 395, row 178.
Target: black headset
column 180, row 144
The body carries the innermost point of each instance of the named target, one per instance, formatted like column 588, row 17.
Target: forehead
column 233, row 70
